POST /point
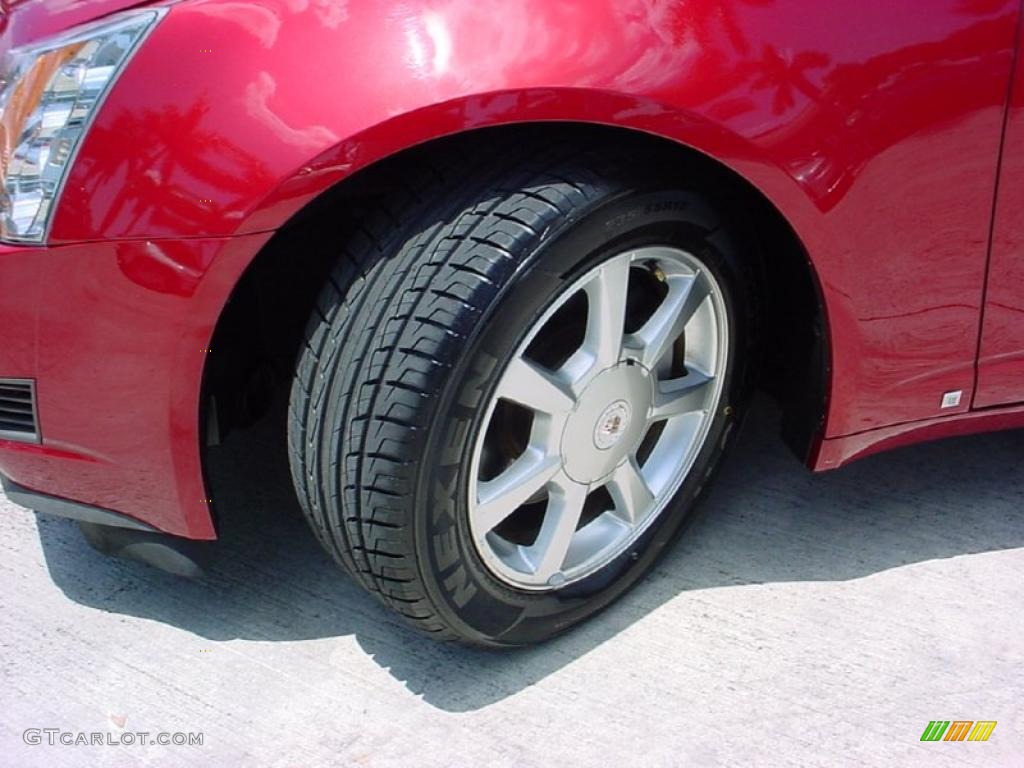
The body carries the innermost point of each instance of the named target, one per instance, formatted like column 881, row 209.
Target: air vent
column 18, row 410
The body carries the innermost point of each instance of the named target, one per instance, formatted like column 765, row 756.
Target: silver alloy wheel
column 613, row 429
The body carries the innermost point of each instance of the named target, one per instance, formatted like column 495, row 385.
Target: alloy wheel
column 598, row 417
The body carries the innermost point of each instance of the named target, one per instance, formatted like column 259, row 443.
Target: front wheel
column 512, row 395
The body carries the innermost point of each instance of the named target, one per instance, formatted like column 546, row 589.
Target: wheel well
column 262, row 326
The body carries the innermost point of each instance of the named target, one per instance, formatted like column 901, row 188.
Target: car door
column 1001, row 357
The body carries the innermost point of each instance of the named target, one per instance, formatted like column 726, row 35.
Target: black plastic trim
column 28, row 386
column 54, row 505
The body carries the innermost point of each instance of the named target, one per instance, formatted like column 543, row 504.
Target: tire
column 395, row 389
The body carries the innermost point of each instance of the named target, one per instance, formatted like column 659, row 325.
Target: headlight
column 48, row 94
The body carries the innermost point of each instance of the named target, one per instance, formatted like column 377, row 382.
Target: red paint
column 874, row 127
column 1001, row 362
column 115, row 334
column 839, row 451
column 39, row 19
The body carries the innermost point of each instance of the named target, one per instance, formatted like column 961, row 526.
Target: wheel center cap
column 612, row 424
column 608, row 422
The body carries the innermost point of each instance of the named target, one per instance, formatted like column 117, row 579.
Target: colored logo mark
column 958, row 730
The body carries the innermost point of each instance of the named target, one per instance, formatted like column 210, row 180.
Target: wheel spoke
column 529, row 385
column 682, row 396
column 630, row 492
column 565, row 506
column 659, row 333
column 500, row 497
column 606, row 312
column 662, row 350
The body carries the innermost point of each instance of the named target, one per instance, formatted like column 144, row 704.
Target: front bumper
column 54, row 505
column 115, row 534
column 116, row 336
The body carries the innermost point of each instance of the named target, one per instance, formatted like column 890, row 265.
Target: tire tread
column 390, row 322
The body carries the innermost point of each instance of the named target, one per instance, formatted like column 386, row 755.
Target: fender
column 236, row 113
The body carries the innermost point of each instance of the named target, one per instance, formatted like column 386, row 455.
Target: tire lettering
column 665, row 205
column 453, row 445
column 459, row 588
column 444, row 492
column 620, row 221
column 473, row 391
column 446, row 548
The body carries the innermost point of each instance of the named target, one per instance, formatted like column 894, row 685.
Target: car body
column 888, row 139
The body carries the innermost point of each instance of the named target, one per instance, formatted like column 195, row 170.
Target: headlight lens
column 48, row 94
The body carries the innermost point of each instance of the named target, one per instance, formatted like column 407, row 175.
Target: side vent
column 18, row 420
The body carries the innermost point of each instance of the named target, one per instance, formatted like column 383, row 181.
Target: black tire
column 408, row 338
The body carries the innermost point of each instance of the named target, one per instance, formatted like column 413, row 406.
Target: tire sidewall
column 461, row 585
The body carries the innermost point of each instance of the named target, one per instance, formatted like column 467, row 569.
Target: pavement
column 804, row 620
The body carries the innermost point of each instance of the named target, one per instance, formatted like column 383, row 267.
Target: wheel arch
column 276, row 299
column 466, row 115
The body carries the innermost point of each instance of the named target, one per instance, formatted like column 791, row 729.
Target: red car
column 513, row 267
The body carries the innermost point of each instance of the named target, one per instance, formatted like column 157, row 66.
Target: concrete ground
column 804, row 620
